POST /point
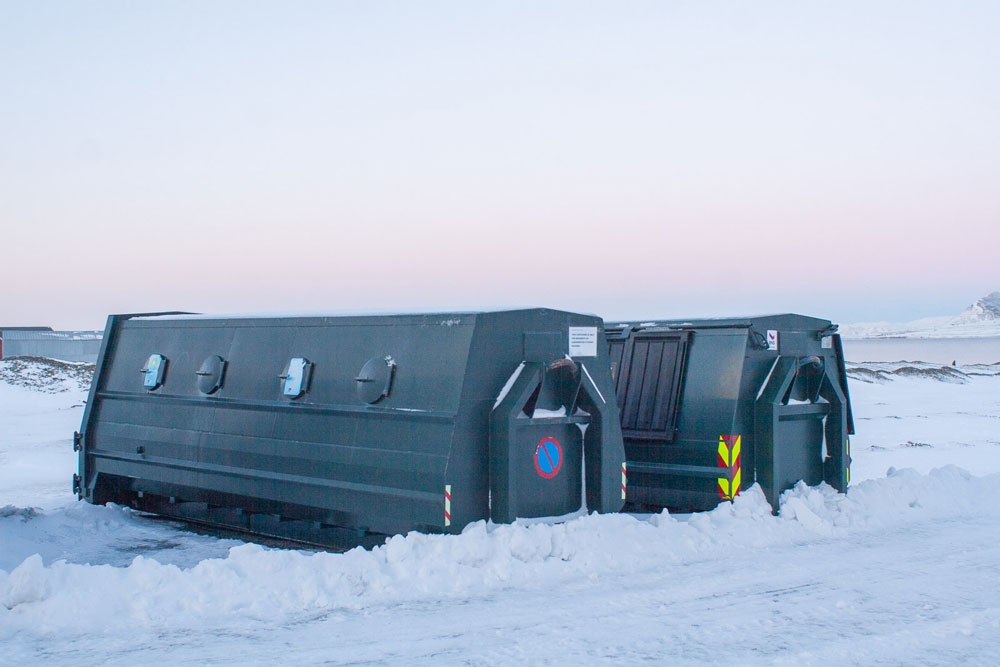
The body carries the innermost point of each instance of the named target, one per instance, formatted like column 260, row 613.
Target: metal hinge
column 77, row 441
column 76, row 484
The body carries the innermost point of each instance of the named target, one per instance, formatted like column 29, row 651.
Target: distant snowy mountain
column 978, row 320
column 986, row 309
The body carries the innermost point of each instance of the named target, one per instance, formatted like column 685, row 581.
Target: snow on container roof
column 347, row 312
column 746, row 321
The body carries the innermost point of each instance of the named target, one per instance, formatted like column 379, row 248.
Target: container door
column 649, row 383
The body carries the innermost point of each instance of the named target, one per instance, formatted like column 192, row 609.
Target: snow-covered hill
column 886, row 371
column 49, row 376
column 980, row 319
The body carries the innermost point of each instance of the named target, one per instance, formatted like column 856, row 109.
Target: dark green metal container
column 340, row 430
column 708, row 407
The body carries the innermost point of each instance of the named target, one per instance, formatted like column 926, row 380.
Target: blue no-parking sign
column 548, row 458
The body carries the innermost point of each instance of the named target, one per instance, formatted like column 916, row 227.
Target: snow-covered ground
column 904, row 569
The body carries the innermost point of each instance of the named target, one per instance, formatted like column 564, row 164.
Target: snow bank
column 273, row 585
column 886, row 371
column 49, row 376
column 79, row 532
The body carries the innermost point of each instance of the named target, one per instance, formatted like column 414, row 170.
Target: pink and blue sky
column 639, row 159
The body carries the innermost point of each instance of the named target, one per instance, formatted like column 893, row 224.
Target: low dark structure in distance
column 78, row 346
column 13, row 332
column 342, row 430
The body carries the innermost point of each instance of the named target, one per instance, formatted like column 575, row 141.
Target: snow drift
column 887, row 371
column 48, row 376
column 258, row 583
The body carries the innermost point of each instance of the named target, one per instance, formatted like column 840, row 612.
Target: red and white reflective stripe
column 447, row 504
column 624, row 479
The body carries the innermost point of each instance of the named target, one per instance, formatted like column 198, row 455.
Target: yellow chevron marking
column 724, row 450
column 847, row 467
column 729, row 457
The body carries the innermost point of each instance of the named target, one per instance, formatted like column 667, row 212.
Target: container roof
column 335, row 313
column 773, row 320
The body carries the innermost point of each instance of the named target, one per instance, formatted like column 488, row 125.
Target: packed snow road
column 902, row 570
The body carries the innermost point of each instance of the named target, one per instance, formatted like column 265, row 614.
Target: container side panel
column 376, row 465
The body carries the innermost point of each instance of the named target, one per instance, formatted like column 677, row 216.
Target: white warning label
column 772, row 339
column 583, row 341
